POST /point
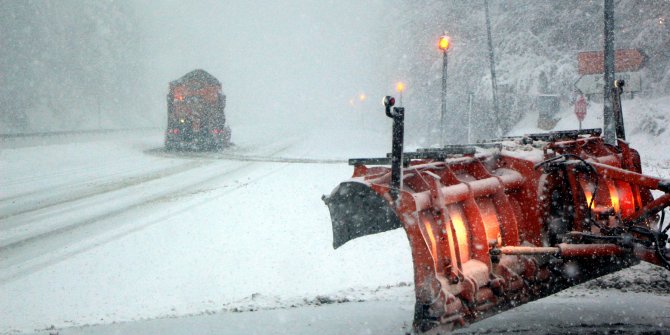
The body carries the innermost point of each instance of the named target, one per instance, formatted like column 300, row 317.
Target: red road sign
column 580, row 108
column 625, row 60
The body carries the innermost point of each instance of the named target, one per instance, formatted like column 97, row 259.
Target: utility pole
column 443, row 111
column 470, row 97
column 494, row 84
column 608, row 111
column 443, row 44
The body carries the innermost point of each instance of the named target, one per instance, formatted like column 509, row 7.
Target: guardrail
column 72, row 132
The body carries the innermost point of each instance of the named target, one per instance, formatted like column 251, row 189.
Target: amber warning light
column 444, row 42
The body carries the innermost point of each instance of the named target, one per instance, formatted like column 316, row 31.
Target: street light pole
column 445, row 60
column 470, row 96
column 400, row 87
column 609, row 131
column 494, row 82
column 444, row 46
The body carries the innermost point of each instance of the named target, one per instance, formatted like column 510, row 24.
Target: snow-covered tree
column 69, row 65
column 532, row 40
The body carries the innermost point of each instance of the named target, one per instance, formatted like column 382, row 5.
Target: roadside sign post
column 594, row 83
column 599, row 70
column 580, row 110
column 591, row 67
column 625, row 60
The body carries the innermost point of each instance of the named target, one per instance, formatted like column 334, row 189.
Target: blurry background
column 300, row 64
column 106, row 64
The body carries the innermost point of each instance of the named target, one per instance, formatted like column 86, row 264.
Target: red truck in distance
column 196, row 117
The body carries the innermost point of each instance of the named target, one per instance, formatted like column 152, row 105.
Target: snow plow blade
column 498, row 224
column 356, row 211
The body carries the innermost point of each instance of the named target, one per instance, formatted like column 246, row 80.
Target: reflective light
column 614, row 196
column 461, row 235
column 490, row 218
column 626, row 198
column 433, row 243
column 588, row 192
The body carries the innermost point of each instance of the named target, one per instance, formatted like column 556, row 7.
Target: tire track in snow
column 16, row 259
column 16, row 249
column 63, row 175
column 8, row 205
column 250, row 158
column 10, row 209
column 7, row 274
column 268, row 159
column 69, row 171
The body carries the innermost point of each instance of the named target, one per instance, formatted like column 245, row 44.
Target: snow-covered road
column 115, row 232
column 60, row 207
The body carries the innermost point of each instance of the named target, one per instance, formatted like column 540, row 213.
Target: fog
column 283, row 64
column 302, row 64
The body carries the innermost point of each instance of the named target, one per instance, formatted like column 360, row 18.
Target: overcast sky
column 288, row 61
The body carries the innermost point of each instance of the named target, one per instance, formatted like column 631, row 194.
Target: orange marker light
column 443, row 44
column 400, row 87
column 362, row 97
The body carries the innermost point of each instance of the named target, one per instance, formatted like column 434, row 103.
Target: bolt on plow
column 501, row 223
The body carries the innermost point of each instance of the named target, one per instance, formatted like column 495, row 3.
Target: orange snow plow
column 196, row 117
column 498, row 224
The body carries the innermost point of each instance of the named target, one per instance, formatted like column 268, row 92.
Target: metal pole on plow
column 398, row 116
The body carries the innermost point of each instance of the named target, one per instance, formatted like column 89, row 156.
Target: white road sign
column 594, row 83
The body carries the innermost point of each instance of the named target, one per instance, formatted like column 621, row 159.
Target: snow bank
column 646, row 123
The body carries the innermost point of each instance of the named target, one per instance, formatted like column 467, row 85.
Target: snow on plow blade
column 356, row 211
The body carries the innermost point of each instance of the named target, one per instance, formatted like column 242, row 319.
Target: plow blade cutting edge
column 356, row 211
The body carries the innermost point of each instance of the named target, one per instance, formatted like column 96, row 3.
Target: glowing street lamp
column 443, row 44
column 362, row 97
column 400, row 87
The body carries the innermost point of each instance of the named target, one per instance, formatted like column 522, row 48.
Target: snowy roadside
column 623, row 302
column 253, row 247
column 260, row 232
column 646, row 122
